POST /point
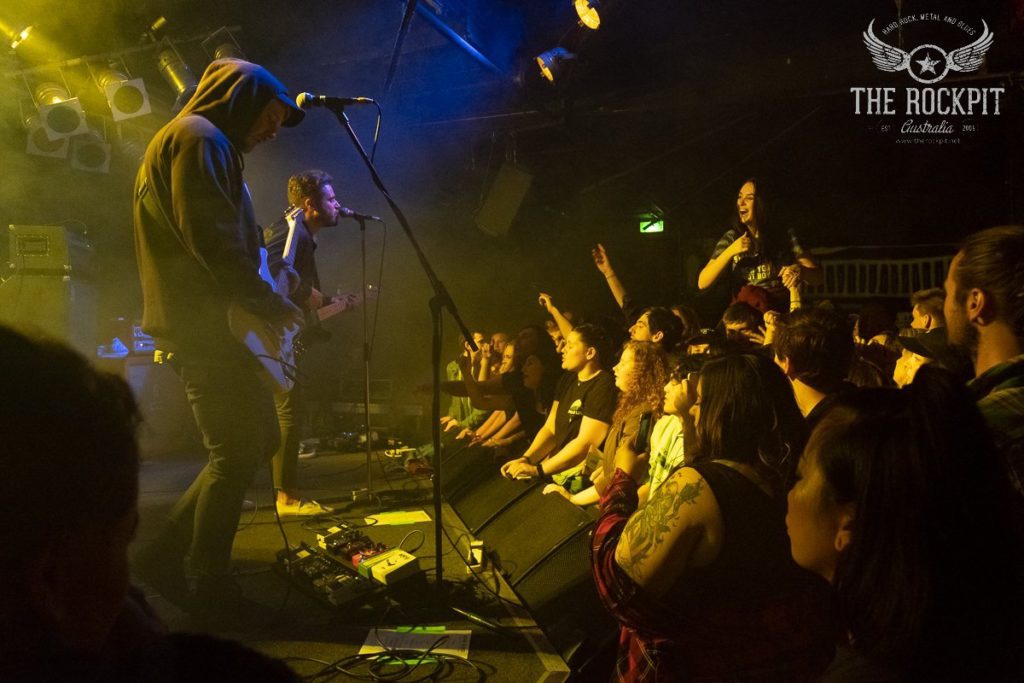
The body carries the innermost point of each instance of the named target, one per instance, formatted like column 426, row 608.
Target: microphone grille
column 304, row 100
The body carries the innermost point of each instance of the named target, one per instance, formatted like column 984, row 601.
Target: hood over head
column 233, row 93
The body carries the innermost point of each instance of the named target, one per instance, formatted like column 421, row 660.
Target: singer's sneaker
column 303, row 508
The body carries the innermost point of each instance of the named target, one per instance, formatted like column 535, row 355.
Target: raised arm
column 564, row 326
column 604, row 266
column 718, row 263
column 474, row 390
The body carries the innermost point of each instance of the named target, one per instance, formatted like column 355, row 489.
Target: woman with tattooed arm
column 700, row 577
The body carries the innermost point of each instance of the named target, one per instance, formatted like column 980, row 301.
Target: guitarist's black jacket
column 196, row 239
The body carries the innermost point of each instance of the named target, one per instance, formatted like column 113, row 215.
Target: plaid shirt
column 791, row 633
column 1000, row 395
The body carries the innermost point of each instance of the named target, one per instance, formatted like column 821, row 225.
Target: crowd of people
column 789, row 494
column 795, row 492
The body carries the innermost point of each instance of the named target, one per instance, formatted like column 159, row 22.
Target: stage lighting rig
column 61, row 114
column 552, row 62
column 587, row 10
column 126, row 96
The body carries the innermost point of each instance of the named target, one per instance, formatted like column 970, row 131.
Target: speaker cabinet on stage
column 48, row 250
column 542, row 545
column 502, row 202
column 57, row 305
column 531, row 526
column 48, row 289
column 560, row 592
column 473, row 485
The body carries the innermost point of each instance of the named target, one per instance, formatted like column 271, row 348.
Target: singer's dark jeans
column 235, row 414
column 290, row 411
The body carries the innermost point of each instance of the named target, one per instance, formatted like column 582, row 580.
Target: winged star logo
column 921, row 62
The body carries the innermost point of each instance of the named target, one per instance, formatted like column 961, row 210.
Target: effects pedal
column 325, row 577
column 390, row 567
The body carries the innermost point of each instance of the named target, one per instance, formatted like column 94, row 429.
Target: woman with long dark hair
column 904, row 506
column 700, row 577
column 755, row 254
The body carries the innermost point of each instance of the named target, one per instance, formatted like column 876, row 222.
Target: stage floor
column 288, row 623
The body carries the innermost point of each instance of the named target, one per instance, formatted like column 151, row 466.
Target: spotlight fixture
column 90, row 152
column 587, row 11
column 37, row 142
column 156, row 30
column 20, row 37
column 61, row 114
column 177, row 74
column 550, row 62
column 222, row 45
column 127, row 97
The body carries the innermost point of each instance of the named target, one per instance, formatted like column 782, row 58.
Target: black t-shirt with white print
column 594, row 398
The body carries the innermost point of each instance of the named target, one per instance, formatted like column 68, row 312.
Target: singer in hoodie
column 197, row 246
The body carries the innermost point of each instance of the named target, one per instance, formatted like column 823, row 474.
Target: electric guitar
column 272, row 346
column 312, row 333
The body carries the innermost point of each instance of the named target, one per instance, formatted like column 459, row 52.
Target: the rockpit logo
column 928, row 64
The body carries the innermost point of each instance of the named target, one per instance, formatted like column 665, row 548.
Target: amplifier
column 48, row 250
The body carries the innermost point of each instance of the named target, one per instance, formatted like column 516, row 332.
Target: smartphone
column 642, row 441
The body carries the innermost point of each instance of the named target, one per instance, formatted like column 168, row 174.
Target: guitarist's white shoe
column 303, row 508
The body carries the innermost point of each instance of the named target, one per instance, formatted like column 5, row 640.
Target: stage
column 288, row 623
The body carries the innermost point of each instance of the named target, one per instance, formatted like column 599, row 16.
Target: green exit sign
column 650, row 223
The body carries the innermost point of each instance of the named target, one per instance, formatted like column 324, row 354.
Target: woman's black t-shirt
column 594, row 398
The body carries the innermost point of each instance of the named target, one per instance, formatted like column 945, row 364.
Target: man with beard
column 312, row 192
column 984, row 312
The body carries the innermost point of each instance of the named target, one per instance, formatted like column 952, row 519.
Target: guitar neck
column 332, row 309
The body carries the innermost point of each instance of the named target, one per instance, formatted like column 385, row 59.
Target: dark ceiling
column 668, row 106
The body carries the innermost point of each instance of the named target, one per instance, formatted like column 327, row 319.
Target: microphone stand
column 366, row 368
column 438, row 303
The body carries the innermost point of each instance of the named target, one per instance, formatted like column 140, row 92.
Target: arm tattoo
column 647, row 527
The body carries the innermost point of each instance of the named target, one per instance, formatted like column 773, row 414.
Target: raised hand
column 545, row 301
column 741, row 245
column 604, row 266
column 791, row 276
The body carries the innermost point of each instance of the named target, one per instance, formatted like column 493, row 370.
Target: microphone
column 346, row 212
column 306, row 100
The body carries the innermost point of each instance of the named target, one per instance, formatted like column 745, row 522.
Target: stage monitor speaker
column 503, row 201
column 56, row 305
column 463, row 468
column 542, row 545
column 528, row 528
column 483, row 494
column 560, row 592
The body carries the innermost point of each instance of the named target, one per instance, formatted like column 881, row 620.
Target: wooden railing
column 864, row 278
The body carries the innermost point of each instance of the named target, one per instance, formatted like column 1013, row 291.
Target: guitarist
column 197, row 246
column 312, row 192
